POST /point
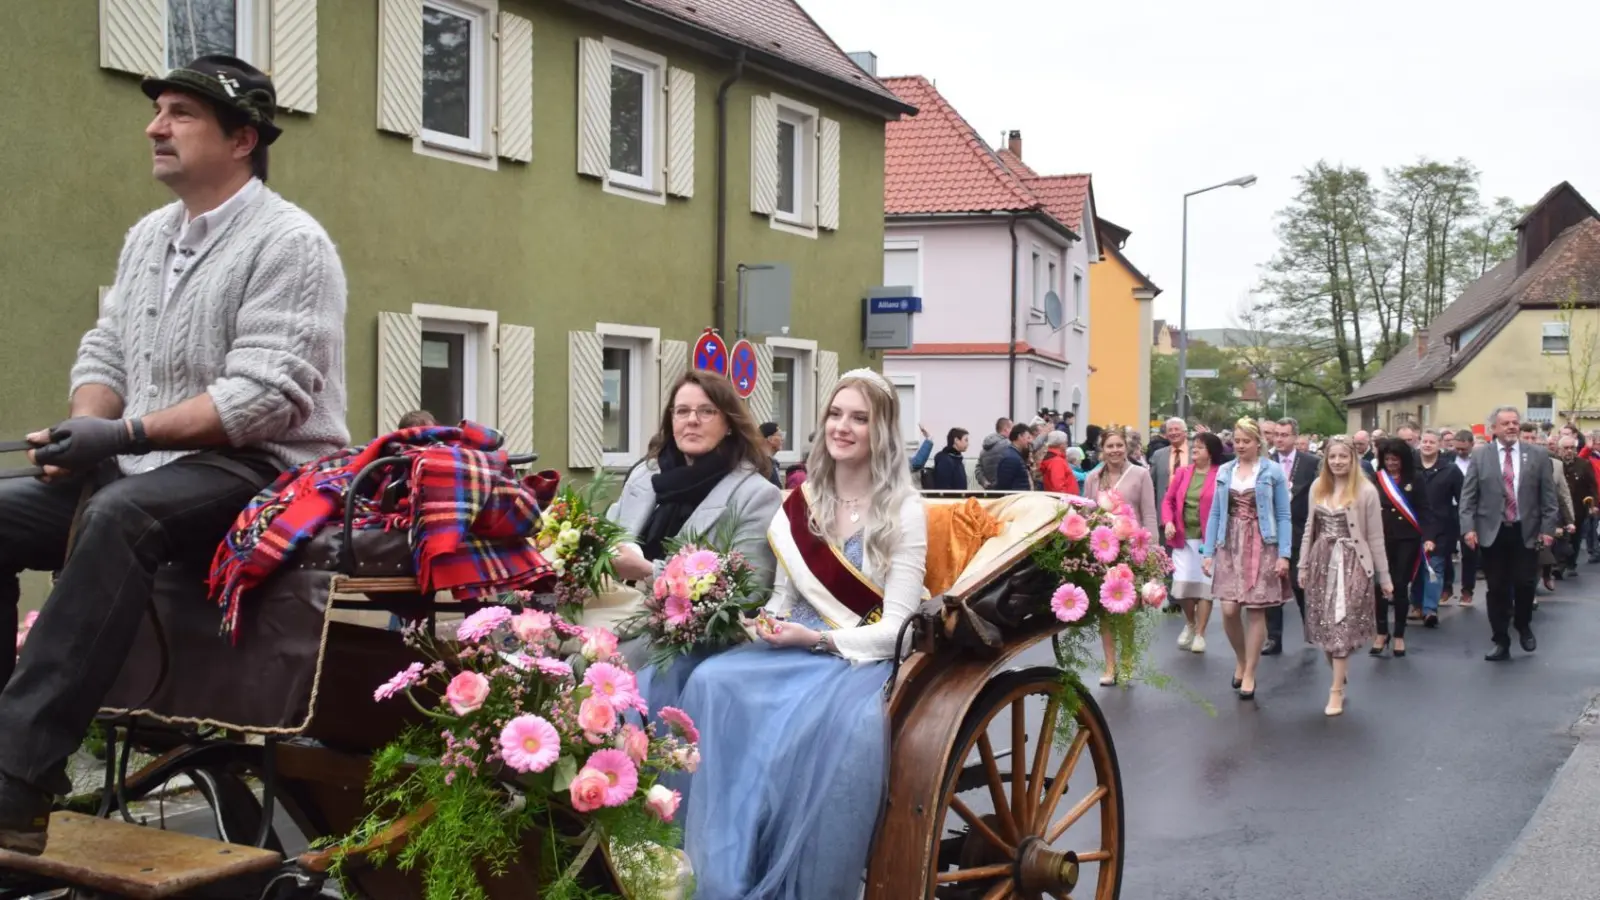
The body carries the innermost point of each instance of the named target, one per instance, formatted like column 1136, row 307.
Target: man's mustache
column 164, row 148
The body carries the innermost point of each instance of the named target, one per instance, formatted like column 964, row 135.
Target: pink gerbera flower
column 1074, row 527
column 622, row 776
column 680, row 723
column 1103, row 544
column 615, row 684
column 553, row 668
column 482, row 623
column 529, row 744
column 679, row 611
column 1117, row 595
column 531, row 626
column 701, row 563
column 1069, row 603
column 405, row 678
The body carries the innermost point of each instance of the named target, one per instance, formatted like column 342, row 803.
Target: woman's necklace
column 850, row 506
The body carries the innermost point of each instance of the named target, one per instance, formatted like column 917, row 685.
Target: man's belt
column 23, row 472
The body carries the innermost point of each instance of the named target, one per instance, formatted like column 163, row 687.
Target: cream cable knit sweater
column 257, row 322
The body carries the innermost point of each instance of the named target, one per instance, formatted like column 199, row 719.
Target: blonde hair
column 1248, row 427
column 1322, row 488
column 891, row 471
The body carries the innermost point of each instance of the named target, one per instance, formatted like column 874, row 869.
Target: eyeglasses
column 698, row 413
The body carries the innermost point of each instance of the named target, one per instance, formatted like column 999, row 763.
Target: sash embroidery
column 1397, row 499
column 824, row 561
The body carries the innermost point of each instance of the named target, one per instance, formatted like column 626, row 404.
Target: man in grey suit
column 1508, row 508
column 1168, row 459
column 1300, row 466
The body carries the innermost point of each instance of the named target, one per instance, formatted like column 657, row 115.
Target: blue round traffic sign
column 742, row 369
column 710, row 353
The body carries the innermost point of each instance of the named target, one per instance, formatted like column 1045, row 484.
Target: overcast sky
column 1160, row 97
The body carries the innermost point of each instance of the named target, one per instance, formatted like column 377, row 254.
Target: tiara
column 869, row 375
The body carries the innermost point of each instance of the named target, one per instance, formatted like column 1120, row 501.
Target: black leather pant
column 1275, row 613
column 85, row 630
column 1403, row 555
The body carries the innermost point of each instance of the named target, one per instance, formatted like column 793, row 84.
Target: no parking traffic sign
column 742, row 369
column 710, row 353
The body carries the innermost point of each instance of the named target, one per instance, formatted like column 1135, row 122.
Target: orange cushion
column 955, row 533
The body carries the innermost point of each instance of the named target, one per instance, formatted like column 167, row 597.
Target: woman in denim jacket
column 1248, row 542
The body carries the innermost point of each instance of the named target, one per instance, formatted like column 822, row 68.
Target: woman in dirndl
column 1342, row 554
column 794, row 737
column 1246, row 549
column 1185, row 509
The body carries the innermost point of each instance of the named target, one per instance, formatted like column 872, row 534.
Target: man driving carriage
column 217, row 361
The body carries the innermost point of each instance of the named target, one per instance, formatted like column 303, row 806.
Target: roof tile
column 936, row 163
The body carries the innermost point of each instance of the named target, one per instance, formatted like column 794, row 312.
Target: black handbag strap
column 24, row 472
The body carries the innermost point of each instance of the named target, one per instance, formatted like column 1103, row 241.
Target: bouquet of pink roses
column 520, row 733
column 699, row 601
column 1108, row 562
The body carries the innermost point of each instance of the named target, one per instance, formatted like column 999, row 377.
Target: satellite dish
column 1055, row 314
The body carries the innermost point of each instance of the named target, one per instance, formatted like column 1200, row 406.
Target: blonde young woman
column 1340, row 553
column 1247, row 548
column 794, row 731
column 1132, row 483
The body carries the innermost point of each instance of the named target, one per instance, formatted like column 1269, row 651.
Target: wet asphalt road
column 1414, row 793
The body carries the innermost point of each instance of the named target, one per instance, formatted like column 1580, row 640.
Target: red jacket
column 1057, row 472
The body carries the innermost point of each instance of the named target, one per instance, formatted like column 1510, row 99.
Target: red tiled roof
column 1015, row 163
column 936, row 163
column 778, row 27
column 1064, row 195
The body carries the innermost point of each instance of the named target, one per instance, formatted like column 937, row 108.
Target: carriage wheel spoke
column 1068, row 763
column 997, row 790
column 1076, row 813
column 1001, row 891
column 1094, row 856
column 1019, row 761
column 977, row 824
column 1041, row 756
column 982, row 873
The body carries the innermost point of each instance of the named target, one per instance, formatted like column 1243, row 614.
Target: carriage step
column 133, row 861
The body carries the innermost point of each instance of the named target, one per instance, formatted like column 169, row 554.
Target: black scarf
column 680, row 489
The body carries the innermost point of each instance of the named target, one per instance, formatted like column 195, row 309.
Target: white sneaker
column 1198, row 645
column 1185, row 638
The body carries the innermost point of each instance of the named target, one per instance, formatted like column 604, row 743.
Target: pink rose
column 588, row 790
column 663, row 802
column 1109, row 500
column 597, row 715
column 679, row 611
column 634, row 742
column 1123, row 527
column 1122, row 572
column 531, row 626
column 598, row 644
column 466, row 692
column 1074, row 527
column 686, row 758
column 1154, row 593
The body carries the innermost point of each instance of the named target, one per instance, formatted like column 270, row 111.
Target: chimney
column 1014, row 143
column 867, row 60
column 1422, row 342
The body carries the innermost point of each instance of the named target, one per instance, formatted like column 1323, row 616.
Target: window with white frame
column 620, row 397
column 902, row 263
column 1037, row 274
column 905, row 389
column 1038, row 395
column 455, row 67
column 1055, row 396
column 1078, row 297
column 459, row 375
column 797, row 139
column 794, row 165
column 793, row 381
column 785, row 408
column 1053, row 279
column 1555, row 338
column 636, row 116
column 1541, row 407
column 202, row 27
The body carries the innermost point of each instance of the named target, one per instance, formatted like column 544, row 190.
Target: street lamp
column 1183, row 295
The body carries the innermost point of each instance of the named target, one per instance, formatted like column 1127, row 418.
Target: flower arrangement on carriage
column 520, row 737
column 580, row 544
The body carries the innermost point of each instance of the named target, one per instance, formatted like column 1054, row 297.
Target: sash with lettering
column 1397, row 499
column 839, row 592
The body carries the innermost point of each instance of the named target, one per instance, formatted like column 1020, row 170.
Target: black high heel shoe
column 1238, row 683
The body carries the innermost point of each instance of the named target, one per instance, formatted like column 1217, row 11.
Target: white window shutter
column 680, row 133
column 516, row 87
column 516, row 387
column 594, row 108
column 133, row 36
column 400, row 66
column 585, row 394
column 399, row 368
column 828, row 174
column 674, row 362
column 827, row 379
column 763, row 155
column 760, row 402
column 294, row 54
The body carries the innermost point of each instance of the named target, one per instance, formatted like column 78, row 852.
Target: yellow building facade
column 1121, row 299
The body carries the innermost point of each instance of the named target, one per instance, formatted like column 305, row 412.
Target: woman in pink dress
column 1117, row 474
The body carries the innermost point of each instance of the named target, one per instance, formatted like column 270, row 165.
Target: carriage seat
column 973, row 539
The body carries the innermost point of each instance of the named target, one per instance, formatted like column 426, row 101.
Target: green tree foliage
column 1217, row 402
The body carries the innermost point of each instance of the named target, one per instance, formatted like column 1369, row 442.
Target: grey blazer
column 743, row 493
column 1483, row 493
column 1160, row 477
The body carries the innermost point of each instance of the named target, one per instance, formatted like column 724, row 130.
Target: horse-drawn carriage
column 984, row 802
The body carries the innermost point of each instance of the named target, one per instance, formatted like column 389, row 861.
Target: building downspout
column 720, row 296
column 1011, row 393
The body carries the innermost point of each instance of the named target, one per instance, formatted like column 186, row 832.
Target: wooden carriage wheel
column 1036, row 820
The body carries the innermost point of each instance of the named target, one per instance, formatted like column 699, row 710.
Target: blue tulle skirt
column 794, row 751
column 664, row 687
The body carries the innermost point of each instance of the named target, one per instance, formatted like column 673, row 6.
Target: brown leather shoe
column 24, row 817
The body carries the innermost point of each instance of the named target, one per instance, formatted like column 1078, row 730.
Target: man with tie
column 1508, row 511
column 1300, row 467
column 1168, row 459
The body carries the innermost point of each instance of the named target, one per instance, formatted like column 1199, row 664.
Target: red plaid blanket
column 471, row 521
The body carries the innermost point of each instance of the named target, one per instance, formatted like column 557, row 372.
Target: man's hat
column 227, row 81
